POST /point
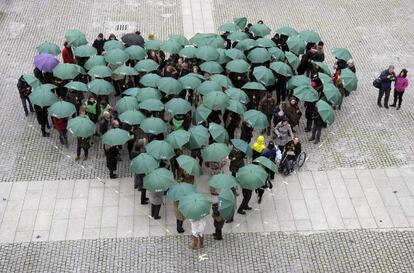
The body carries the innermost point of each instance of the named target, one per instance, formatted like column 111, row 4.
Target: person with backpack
column 387, row 77
column 401, row 83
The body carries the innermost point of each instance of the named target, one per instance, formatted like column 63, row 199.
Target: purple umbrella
column 45, row 62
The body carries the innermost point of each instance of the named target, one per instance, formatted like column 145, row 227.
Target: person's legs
column 26, row 111
column 380, row 95
column 387, row 96
column 144, row 199
column 308, row 125
column 43, row 129
column 314, row 128
column 78, row 150
column 395, row 99
column 180, row 228
column 243, row 203
column 157, row 212
column 318, row 134
column 30, row 105
column 400, row 95
column 219, row 235
column 260, row 193
column 248, row 195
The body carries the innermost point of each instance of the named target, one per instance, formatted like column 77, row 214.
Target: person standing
column 401, row 83
column 197, row 230
column 180, row 217
column 246, row 132
column 139, row 178
column 272, row 153
column 266, row 106
column 283, row 133
column 247, row 194
column 294, row 113
column 41, row 115
column 318, row 125
column 24, row 91
column 67, row 54
column 386, row 77
column 236, row 161
column 155, row 199
column 111, row 153
column 99, row 43
column 60, row 125
column 218, row 222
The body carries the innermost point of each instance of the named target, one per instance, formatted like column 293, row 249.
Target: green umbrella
column 349, row 79
column 153, row 126
column 85, row 51
column 323, row 67
column 146, row 65
column 332, row 94
column 101, row 87
column 100, row 71
column 148, row 93
column 115, row 137
column 143, row 164
column 325, row 111
column 259, row 55
column 198, row 136
column 208, row 87
column 188, row 52
column 260, row 30
column 160, row 150
column 79, row 86
column 62, row 109
column 189, row 81
column 211, row 67
column 341, row 54
column 265, row 42
column 251, row 177
column 238, row 66
column 180, row 190
column 94, row 61
column 228, row 27
column 178, row 106
column 116, row 56
column 310, row 36
column 306, row 93
column 201, row 77
column 179, row 39
column 246, row 44
column 48, row 47
column 222, row 80
column 113, row 44
column 178, row 138
column 287, row 31
column 227, row 204
column 235, row 54
column 42, row 96
column 67, row 71
column 171, row 47
column 131, row 117
column 222, row 58
column 150, row 80
column 256, row 119
column 215, row 152
column 75, row 38
column 125, row 71
column 136, row 53
column 152, row 105
column 277, row 54
column 254, row 86
column 32, row 80
column 281, row 68
column 222, row 181
column 189, row 164
column 158, row 180
column 242, row 145
column 216, row 100
column 81, row 126
column 292, row 59
column 218, row 132
column 264, row 75
column 237, row 94
column 125, row 104
column 237, row 36
column 296, row 45
column 194, row 206
column 170, row 86
column 266, row 162
column 324, row 78
column 207, row 53
column 208, row 39
column 201, row 114
column 152, row 45
column 133, row 92
column 240, row 22
column 297, row 81
column 236, row 107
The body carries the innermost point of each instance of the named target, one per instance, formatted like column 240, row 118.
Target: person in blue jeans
column 24, row 91
column 387, row 76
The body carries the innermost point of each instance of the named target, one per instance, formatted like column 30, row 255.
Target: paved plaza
column 349, row 209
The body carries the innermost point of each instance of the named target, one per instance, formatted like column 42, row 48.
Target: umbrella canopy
column 171, row 47
column 256, row 119
column 49, row 48
column 222, row 59
column 93, row 61
column 246, row 44
column 236, row 107
column 266, row 162
column 133, row 92
column 143, row 164
column 194, row 206
column 215, row 152
column 125, row 71
column 265, row 42
column 292, row 59
column 201, row 114
column 341, row 54
column 160, row 150
column 113, row 44
column 324, row 78
column 349, row 79
column 67, row 71
column 189, row 164
column 198, row 137
column 242, row 146
column 148, row 93
column 136, row 53
column 218, row 132
column 297, row 81
column 132, row 117
column 189, row 81
column 211, row 67
column 62, row 109
column 323, row 66
column 85, row 51
column 240, row 22
column 188, row 52
column 100, row 71
column 178, row 106
column 101, row 87
column 45, row 62
column 180, row 190
column 237, row 36
column 227, row 204
column 43, row 96
column 131, row 39
column 306, row 93
column 178, row 138
column 32, row 80
column 224, row 81
column 150, row 80
column 208, row 87
column 281, row 68
column 237, row 94
column 332, row 94
column 182, row 40
column 152, row 45
column 222, row 181
column 229, row 27
column 115, row 137
column 254, row 86
column 277, row 54
column 153, row 126
column 146, row 65
column 235, row 54
column 170, row 86
column 81, row 126
column 287, row 31
column 325, row 111
column 126, row 103
column 259, row 55
column 116, row 56
column 264, row 75
column 251, row 177
column 207, row 53
column 75, row 38
column 296, row 45
column 216, row 100
column 238, row 66
column 260, row 30
column 208, row 39
column 158, row 180
column 152, row 105
column 310, row 36
column 78, row 86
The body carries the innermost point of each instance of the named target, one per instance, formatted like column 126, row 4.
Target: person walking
column 24, row 91
column 156, row 200
column 401, row 83
column 258, row 147
column 386, row 77
column 247, row 194
column 218, row 222
column 283, row 133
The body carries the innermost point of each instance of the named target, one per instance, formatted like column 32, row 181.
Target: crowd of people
column 273, row 95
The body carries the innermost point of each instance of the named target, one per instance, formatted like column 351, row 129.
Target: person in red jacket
column 67, row 54
column 60, row 125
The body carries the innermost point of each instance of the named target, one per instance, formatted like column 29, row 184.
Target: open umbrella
column 189, row 164
column 81, row 127
column 125, row 71
column 182, row 40
column 277, row 54
column 207, row 53
column 235, row 54
column 180, row 190
column 325, row 111
column 259, row 55
column 242, row 146
column 67, row 71
column 296, row 45
column 266, row 162
column 94, row 61
column 222, row 58
column 218, row 132
column 251, row 177
column 237, row 94
column 201, row 114
column 265, row 42
column 211, row 67
column 100, row 71
column 150, row 80
column 148, row 93
column 78, row 86
column 43, row 96
column 324, row 78
column 160, row 150
column 115, row 137
column 237, row 36
column 169, row 86
column 323, row 66
column 216, row 100
column 246, row 44
column 222, row 181
column 281, row 68
column 228, row 27
column 297, row 81
column 240, row 22
column 75, row 38
column 101, row 87
column 332, row 94
column 153, row 126
column 151, row 105
column 349, row 79
column 306, row 93
column 49, row 48
column 143, row 164
column 85, row 51
column 194, row 206
column 256, row 119
column 152, row 45
column 264, row 75
column 45, row 62
column 158, row 180
column 146, row 65
column 341, row 54
column 136, row 53
column 198, row 137
column 113, row 44
column 208, row 39
column 131, row 39
column 189, row 81
column 287, row 31
column 178, row 138
column 260, row 30
column 178, row 106
column 208, row 87
column 62, row 109
column 126, row 103
column 131, row 117
column 254, row 86
column 292, row 59
column 227, row 204
column 133, row 92
column 310, row 36
column 32, row 80
column 224, row 81
column 188, row 52
column 238, row 66
column 116, row 56
column 236, row 107
column 171, row 47
column 215, row 152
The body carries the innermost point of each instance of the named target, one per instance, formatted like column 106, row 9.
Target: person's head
column 283, row 104
column 320, row 46
column 82, row 110
column 112, row 36
column 271, row 145
column 296, row 140
column 285, row 121
column 151, row 36
column 103, row 104
column 91, row 99
column 140, row 143
column 276, row 36
column 66, row 44
column 292, row 101
column 138, row 32
column 350, row 63
column 184, row 66
column 260, row 139
column 195, row 69
column 391, row 69
column 403, row 73
column 100, row 36
column 269, row 95
column 214, row 208
column 153, row 53
column 260, row 22
column 115, row 123
column 106, row 115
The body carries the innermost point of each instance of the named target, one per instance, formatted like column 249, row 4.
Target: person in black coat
column 99, row 43
column 246, row 132
column 310, row 109
column 24, row 91
column 41, row 115
column 218, row 222
column 111, row 153
column 318, row 124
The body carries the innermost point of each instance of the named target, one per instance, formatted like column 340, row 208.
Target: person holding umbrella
column 156, row 200
column 318, row 125
column 218, row 222
column 60, row 125
column 266, row 106
column 82, row 142
column 67, row 54
column 41, row 115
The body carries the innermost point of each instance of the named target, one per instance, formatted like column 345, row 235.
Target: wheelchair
column 287, row 167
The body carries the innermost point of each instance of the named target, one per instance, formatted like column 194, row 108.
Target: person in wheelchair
column 290, row 154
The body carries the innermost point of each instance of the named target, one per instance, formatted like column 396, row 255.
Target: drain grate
column 121, row 27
